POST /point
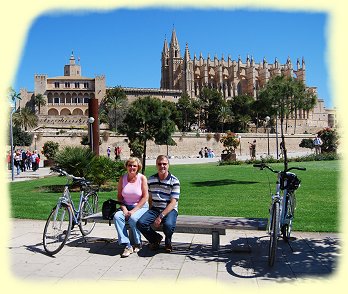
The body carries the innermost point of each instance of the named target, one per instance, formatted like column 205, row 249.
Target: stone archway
column 77, row 111
column 65, row 111
column 53, row 111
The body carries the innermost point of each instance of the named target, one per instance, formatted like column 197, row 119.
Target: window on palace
column 85, row 85
column 85, row 100
column 77, row 85
column 67, row 85
column 56, row 84
column 56, row 100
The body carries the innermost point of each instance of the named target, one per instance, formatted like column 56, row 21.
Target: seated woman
column 133, row 192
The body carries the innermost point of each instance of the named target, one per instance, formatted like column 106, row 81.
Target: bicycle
column 64, row 216
column 282, row 207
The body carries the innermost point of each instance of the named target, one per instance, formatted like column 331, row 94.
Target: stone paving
column 241, row 260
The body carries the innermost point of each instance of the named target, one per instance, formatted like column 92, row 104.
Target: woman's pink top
column 131, row 192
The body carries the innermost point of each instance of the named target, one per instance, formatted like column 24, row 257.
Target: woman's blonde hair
column 133, row 159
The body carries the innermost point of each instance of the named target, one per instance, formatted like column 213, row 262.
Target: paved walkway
column 241, row 260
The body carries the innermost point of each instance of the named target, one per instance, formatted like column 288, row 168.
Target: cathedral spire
column 174, row 45
column 165, row 50
column 187, row 52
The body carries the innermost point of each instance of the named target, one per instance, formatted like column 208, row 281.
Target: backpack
column 109, row 209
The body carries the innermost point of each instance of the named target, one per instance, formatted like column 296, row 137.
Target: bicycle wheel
column 57, row 229
column 289, row 216
column 87, row 208
column 274, row 229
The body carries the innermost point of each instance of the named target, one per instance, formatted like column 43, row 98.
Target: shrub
column 230, row 162
column 50, row 149
column 307, row 143
column 75, row 160
column 104, row 169
column 330, row 140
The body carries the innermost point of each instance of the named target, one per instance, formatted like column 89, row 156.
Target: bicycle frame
column 67, row 199
column 280, row 196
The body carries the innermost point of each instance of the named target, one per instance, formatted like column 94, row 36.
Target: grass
column 209, row 189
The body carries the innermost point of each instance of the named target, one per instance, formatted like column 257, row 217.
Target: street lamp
column 35, row 137
column 90, row 122
column 240, row 144
column 267, row 118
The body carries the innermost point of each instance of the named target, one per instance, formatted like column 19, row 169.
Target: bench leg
column 215, row 240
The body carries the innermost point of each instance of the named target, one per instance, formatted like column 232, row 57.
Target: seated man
column 164, row 192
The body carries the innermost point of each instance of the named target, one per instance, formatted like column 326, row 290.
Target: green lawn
column 209, row 189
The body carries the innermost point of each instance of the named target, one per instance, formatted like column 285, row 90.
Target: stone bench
column 214, row 225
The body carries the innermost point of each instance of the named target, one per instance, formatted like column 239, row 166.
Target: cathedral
column 230, row 77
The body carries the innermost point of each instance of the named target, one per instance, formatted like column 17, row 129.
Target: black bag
column 109, row 209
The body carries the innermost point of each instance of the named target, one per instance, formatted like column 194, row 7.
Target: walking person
column 34, row 161
column 17, row 157
column 133, row 192
column 317, row 142
column 117, row 152
column 108, row 151
column 252, row 148
column 164, row 193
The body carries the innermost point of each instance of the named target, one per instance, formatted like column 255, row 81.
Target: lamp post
column 90, row 123
column 277, row 136
column 267, row 118
column 240, row 144
column 35, row 137
column 11, row 143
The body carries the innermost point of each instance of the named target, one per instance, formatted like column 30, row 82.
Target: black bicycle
column 64, row 216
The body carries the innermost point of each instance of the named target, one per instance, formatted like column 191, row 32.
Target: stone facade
column 66, row 95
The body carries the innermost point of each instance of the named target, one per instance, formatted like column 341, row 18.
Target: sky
column 125, row 45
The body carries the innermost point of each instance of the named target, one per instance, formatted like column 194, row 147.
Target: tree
column 212, row 103
column 39, row 100
column 116, row 102
column 21, row 138
column 148, row 119
column 25, row 118
column 50, row 149
column 225, row 116
column 187, row 108
column 241, row 108
column 281, row 96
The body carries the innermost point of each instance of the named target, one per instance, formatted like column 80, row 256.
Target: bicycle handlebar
column 64, row 173
column 263, row 165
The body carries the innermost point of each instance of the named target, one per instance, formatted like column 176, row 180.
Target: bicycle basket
column 293, row 182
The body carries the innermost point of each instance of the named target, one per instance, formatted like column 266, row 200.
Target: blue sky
column 126, row 45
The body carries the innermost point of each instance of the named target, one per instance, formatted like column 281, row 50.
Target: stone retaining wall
column 188, row 145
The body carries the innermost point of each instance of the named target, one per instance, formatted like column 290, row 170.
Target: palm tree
column 39, row 100
column 25, row 118
column 115, row 100
column 225, row 116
